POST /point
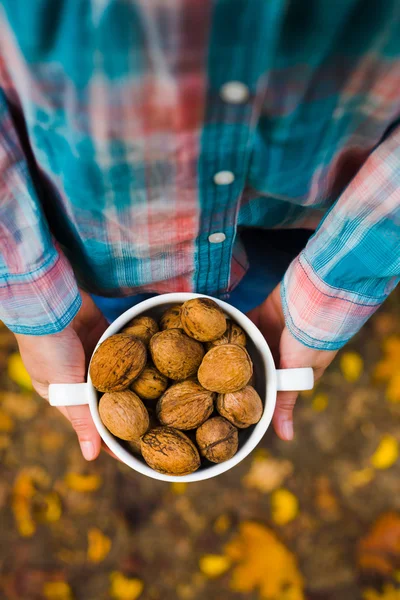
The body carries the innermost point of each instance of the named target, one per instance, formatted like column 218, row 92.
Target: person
column 243, row 149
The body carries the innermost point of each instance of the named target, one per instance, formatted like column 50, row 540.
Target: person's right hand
column 63, row 358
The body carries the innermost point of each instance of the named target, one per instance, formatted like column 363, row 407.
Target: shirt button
column 224, row 177
column 234, row 92
column 216, row 238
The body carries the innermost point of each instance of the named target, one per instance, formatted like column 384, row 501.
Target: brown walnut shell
column 169, row 451
column 185, row 405
column 150, row 384
column 124, row 415
column 171, row 319
column 141, row 327
column 117, row 362
column 135, row 445
column 242, row 408
column 202, row 319
column 234, row 334
column 176, row 355
column 217, row 439
column 225, row 368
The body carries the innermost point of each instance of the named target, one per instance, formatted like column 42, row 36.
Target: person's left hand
column 288, row 353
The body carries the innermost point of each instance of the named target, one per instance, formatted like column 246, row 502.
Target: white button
column 224, row 177
column 234, row 92
column 216, row 238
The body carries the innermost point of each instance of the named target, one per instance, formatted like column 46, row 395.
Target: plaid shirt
column 130, row 131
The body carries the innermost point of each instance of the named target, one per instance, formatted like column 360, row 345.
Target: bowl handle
column 69, row 394
column 295, row 380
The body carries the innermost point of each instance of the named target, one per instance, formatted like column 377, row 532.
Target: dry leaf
column 51, row 441
column 263, row 564
column 379, row 550
column 125, row 588
column 222, row 524
column 326, row 500
column 47, row 507
column 267, row 474
column 83, row 483
column 57, row 590
column 6, row 422
column 214, row 565
column 389, row 592
column 386, row 454
column 179, row 488
column 362, row 477
column 21, row 406
column 99, row 545
column 5, row 441
column 23, row 493
column 351, row 365
column 387, row 370
column 284, row 506
column 393, row 389
column 17, row 372
column 320, row 402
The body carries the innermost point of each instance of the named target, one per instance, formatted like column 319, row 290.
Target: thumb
column 88, row 436
column 283, row 416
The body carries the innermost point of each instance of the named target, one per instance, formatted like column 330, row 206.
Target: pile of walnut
column 199, row 365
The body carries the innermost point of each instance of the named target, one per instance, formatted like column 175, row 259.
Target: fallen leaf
column 386, row 454
column 389, row 592
column 320, row 402
column 326, row 500
column 99, row 545
column 351, row 365
column 57, row 590
column 222, row 524
column 393, row 389
column 263, row 563
column 284, row 506
column 6, row 422
column 47, row 507
column 387, row 369
column 179, row 488
column 125, row 588
column 23, row 492
column 267, row 474
column 17, row 372
column 362, row 477
column 5, row 441
column 379, row 550
column 83, row 483
column 21, row 406
column 51, row 441
column 214, row 565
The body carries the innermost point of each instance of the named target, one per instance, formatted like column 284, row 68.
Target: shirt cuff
column 318, row 315
column 41, row 302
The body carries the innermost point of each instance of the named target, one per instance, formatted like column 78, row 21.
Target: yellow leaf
column 284, row 506
column 222, row 524
column 52, row 512
column 6, row 422
column 57, row 590
column 320, row 402
column 389, row 592
column 362, row 477
column 178, row 488
column 386, row 454
column 263, row 564
column 379, row 550
column 125, row 588
column 23, row 493
column 83, row 483
column 98, row 545
column 351, row 365
column 266, row 474
column 214, row 565
column 393, row 389
column 5, row 441
column 18, row 373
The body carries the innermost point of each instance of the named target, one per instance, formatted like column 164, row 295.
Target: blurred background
column 316, row 519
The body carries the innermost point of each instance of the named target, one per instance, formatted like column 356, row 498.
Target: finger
column 283, row 416
column 88, row 436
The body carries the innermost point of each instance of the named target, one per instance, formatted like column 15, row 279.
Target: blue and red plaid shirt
column 131, row 131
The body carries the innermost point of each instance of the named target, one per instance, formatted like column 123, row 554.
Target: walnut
column 242, row 408
column 185, row 405
column 176, row 355
column 171, row 319
column 124, row 415
column 169, row 451
column 225, row 368
column 117, row 362
column 202, row 319
column 141, row 327
column 217, row 439
column 234, row 334
column 150, row 384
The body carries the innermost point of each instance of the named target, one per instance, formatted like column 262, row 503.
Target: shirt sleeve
column 352, row 262
column 38, row 291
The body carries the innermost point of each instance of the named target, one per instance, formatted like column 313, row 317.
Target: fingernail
column 88, row 450
column 287, row 430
